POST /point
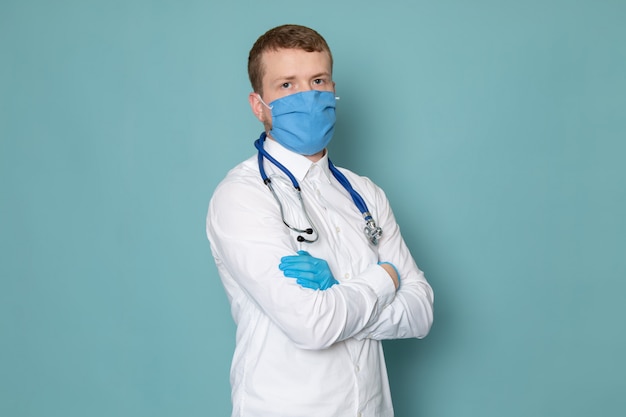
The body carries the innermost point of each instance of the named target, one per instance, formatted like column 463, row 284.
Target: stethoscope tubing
column 372, row 231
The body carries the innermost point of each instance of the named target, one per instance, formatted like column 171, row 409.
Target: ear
column 256, row 106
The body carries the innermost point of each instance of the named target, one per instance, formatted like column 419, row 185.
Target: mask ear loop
column 263, row 102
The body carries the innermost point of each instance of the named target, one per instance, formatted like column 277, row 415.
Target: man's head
column 285, row 61
column 282, row 37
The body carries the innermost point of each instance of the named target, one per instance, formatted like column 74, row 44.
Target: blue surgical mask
column 303, row 122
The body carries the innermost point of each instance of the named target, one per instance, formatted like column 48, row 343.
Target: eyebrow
column 322, row 74
column 293, row 77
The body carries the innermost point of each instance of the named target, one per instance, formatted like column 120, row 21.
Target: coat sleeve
column 410, row 315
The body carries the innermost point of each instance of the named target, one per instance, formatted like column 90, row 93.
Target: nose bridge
column 304, row 85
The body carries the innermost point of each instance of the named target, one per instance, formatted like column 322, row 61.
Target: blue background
column 497, row 129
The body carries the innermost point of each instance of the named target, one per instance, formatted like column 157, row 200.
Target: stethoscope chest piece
column 372, row 231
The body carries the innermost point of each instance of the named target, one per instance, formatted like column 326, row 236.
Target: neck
column 316, row 157
column 313, row 158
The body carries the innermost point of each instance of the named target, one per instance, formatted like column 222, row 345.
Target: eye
column 285, row 85
column 318, row 81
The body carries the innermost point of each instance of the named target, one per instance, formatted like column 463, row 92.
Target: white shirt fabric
column 301, row 352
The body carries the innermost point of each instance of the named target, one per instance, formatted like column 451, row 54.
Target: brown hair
column 282, row 37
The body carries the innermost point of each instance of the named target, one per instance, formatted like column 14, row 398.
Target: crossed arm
column 314, row 312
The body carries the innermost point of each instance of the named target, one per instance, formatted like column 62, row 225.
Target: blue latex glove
column 308, row 271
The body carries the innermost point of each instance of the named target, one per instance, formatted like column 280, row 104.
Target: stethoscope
column 371, row 230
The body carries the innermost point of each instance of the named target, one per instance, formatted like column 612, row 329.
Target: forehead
column 294, row 63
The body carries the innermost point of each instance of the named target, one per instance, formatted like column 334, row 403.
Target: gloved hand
column 308, row 271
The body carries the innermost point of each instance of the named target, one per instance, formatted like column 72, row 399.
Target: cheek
column 266, row 118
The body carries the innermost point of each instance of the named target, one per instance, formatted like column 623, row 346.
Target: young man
column 311, row 257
